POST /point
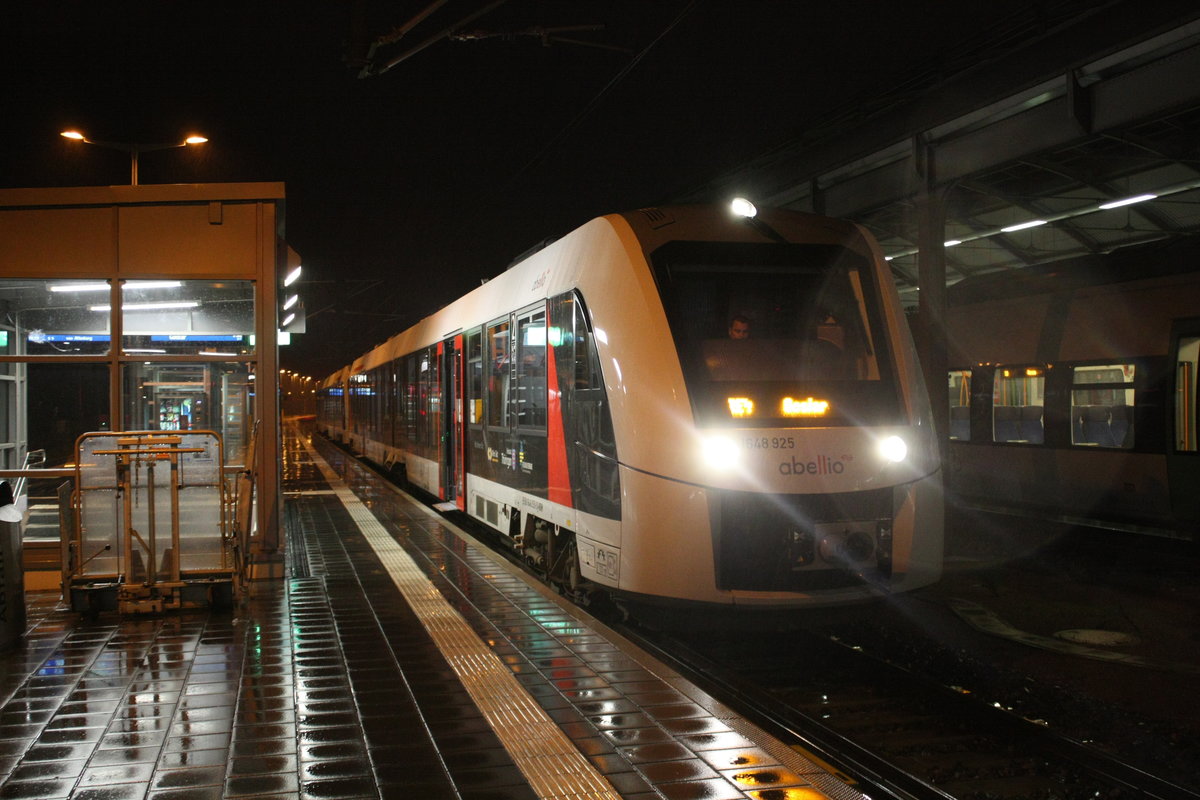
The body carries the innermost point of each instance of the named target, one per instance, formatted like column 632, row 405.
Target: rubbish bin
column 12, row 572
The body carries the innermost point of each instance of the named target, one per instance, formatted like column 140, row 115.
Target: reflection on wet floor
column 328, row 685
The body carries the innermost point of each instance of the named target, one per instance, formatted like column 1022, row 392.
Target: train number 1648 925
column 769, row 442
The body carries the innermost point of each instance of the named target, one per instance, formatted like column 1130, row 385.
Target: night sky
column 406, row 188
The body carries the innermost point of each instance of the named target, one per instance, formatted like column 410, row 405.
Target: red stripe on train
column 558, row 479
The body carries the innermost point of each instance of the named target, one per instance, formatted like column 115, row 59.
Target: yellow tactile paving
column 553, row 766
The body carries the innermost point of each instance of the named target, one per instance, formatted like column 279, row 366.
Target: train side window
column 411, row 409
column 395, row 418
column 529, row 399
column 427, row 429
column 960, row 405
column 433, row 402
column 376, row 395
column 1102, row 403
column 587, row 422
column 499, row 369
column 1018, row 400
column 475, row 377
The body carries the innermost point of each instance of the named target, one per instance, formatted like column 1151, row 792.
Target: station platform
column 395, row 660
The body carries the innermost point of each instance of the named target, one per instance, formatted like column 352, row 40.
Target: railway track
column 896, row 733
column 900, row 733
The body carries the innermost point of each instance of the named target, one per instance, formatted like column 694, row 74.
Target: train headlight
column 893, row 449
column 720, row 452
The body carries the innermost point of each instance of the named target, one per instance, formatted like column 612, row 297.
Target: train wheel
column 399, row 474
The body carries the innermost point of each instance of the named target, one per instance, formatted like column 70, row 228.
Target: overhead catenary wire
column 595, row 101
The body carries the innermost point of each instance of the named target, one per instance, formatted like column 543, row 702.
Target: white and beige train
column 672, row 404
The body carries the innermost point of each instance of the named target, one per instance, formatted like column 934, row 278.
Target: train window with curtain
column 1102, row 402
column 960, row 405
column 499, row 370
column 475, row 377
column 1018, row 403
column 529, row 399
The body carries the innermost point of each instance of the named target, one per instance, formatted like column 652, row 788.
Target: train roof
column 653, row 226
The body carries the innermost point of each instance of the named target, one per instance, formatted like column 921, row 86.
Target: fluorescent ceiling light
column 951, row 242
column 103, row 287
column 291, row 301
column 1127, row 201
column 151, row 284
column 79, row 287
column 1020, row 226
column 1165, row 191
column 292, row 277
column 287, row 320
column 149, row 306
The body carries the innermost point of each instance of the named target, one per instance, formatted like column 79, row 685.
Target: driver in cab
column 739, row 327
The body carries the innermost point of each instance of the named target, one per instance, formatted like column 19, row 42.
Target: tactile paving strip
column 651, row 732
column 548, row 759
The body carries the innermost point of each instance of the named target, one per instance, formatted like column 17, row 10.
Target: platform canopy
column 1069, row 134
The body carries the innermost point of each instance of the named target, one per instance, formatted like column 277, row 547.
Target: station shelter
column 143, row 308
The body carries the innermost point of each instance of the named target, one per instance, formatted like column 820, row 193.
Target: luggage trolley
column 151, row 524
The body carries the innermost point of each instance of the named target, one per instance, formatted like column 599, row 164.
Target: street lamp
column 133, row 149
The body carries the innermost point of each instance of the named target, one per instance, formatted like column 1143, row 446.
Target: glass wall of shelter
column 141, row 308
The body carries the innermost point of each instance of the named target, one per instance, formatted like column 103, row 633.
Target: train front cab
column 769, row 486
column 608, row 475
column 579, row 424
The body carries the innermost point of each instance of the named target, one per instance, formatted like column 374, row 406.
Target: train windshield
column 778, row 334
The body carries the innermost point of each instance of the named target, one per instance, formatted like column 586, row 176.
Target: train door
column 453, row 463
column 1183, row 457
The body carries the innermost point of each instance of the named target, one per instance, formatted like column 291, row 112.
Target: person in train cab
column 739, row 327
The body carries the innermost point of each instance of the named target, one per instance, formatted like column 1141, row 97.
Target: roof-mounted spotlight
column 741, row 207
column 748, row 214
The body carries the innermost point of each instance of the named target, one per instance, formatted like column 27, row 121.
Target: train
column 681, row 406
column 1072, row 391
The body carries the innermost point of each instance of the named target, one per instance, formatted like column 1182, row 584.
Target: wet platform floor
column 352, row 678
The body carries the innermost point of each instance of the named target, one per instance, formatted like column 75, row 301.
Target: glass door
column 452, row 421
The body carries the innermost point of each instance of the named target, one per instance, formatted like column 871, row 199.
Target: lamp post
column 133, row 148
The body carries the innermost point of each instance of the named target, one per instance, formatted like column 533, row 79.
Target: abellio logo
column 820, row 465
